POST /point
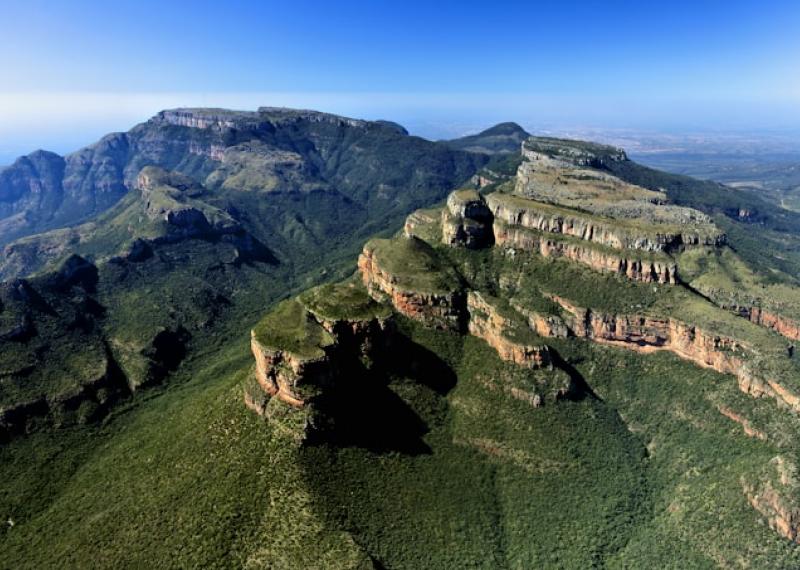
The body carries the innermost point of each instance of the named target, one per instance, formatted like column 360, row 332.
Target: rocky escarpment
column 512, row 342
column 782, row 325
column 467, row 220
column 310, row 346
column 635, row 268
column 529, row 214
column 774, row 496
column 430, row 301
column 691, row 342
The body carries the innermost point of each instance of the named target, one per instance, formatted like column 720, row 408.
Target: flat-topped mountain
column 305, row 340
column 564, row 259
column 234, row 150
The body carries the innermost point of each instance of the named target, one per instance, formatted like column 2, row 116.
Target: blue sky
column 70, row 71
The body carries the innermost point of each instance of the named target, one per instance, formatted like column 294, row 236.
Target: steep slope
column 454, row 273
column 502, row 138
column 286, row 195
column 262, row 151
column 462, row 401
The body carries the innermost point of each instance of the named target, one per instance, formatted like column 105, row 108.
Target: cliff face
column 282, row 374
column 691, row 342
column 444, row 310
column 466, row 221
column 782, row 325
column 774, row 496
column 486, row 322
column 232, row 149
column 321, row 354
column 630, row 266
column 515, row 211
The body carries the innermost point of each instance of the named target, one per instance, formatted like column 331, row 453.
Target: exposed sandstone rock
column 543, row 325
column 632, row 267
column 487, row 322
column 466, row 221
column 646, row 334
column 517, row 211
column 775, row 498
column 323, row 354
column 443, row 310
column 782, row 325
column 282, row 374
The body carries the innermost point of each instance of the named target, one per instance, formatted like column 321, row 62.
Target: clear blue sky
column 70, row 70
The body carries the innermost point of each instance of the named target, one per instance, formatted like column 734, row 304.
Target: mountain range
column 285, row 338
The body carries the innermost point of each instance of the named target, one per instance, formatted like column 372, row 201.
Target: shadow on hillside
column 580, row 387
column 363, row 411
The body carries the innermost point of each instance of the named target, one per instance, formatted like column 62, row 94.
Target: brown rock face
column 444, row 311
column 466, row 221
column 632, row 267
column 282, row 374
column 528, row 214
column 647, row 334
column 773, row 499
column 487, row 323
column 782, row 325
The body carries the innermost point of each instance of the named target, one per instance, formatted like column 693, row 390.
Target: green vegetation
column 614, row 459
column 347, row 300
column 290, row 327
column 415, row 264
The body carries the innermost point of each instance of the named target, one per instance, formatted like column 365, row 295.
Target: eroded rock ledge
column 513, row 342
column 635, row 268
column 436, row 300
column 644, row 333
column 774, row 497
column 309, row 345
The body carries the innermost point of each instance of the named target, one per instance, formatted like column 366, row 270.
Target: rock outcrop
column 486, row 322
column 467, row 220
column 442, row 309
column 774, row 497
column 782, row 325
column 295, row 369
column 688, row 341
column 635, row 268
column 518, row 211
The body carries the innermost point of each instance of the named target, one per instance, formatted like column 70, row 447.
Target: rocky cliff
column 308, row 347
column 512, row 341
column 421, row 289
column 625, row 264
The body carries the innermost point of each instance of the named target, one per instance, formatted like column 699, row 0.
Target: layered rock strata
column 298, row 372
column 443, row 310
column 773, row 498
column 647, row 334
column 467, row 220
column 635, row 268
column 529, row 214
column 486, row 322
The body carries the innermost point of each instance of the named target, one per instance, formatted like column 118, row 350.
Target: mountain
column 302, row 340
column 283, row 149
column 556, row 347
column 215, row 212
column 500, row 139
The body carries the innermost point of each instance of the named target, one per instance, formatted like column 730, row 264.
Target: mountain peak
column 502, row 138
column 509, row 128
